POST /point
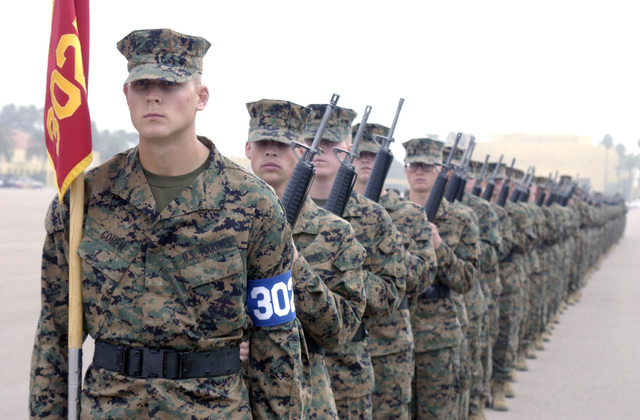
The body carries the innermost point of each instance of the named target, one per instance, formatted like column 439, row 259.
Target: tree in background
column 607, row 142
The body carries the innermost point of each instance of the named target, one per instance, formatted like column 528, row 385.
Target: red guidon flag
column 66, row 111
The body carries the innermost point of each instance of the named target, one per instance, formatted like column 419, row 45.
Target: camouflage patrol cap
column 517, row 174
column 367, row 142
column 162, row 54
column 339, row 126
column 502, row 171
column 564, row 178
column 281, row 121
column 475, row 167
column 423, row 150
column 457, row 155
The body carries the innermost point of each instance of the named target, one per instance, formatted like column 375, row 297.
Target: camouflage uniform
column 171, row 279
column 510, row 297
column 167, row 290
column 490, row 242
column 436, row 325
column 327, row 276
column 329, row 291
column 350, row 369
column 391, row 339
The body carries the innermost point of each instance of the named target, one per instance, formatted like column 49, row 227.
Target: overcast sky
column 482, row 67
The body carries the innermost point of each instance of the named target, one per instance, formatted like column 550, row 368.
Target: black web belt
column 361, row 333
column 169, row 364
column 438, row 291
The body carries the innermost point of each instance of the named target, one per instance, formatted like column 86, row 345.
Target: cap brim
column 159, row 72
column 274, row 134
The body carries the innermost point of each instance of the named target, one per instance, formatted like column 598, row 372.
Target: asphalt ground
column 589, row 370
column 591, row 367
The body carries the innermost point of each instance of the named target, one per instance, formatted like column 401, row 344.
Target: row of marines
column 490, row 281
column 383, row 314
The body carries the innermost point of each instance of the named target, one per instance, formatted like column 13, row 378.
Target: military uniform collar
column 205, row 191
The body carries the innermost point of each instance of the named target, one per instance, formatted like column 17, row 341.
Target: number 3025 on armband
column 270, row 301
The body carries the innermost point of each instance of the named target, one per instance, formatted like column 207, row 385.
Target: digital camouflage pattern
column 171, row 279
column 162, row 54
column 436, row 325
column 277, row 120
column 339, row 126
column 329, row 292
column 350, row 367
column 391, row 338
column 423, row 150
column 484, row 305
column 367, row 141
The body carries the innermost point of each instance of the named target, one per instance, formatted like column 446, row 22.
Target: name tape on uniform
column 270, row 301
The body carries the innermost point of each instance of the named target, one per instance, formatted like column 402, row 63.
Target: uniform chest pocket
column 103, row 268
column 215, row 284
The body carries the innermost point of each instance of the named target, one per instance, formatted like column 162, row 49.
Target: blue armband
column 270, row 301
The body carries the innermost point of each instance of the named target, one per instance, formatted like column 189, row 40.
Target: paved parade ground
column 589, row 370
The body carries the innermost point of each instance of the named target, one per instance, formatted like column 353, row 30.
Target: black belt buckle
column 153, row 363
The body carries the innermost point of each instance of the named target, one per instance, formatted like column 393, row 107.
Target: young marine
column 327, row 276
column 391, row 339
column 178, row 243
column 352, row 377
column 436, row 325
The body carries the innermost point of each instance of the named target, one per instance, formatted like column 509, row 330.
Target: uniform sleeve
column 457, row 267
column 385, row 275
column 48, row 378
column 277, row 356
column 420, row 255
column 330, row 301
column 490, row 240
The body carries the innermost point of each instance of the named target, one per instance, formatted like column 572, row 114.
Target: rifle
column 540, row 199
column 383, row 161
column 304, row 172
column 488, row 191
column 477, row 187
column 504, row 191
column 451, row 194
column 464, row 167
column 515, row 195
column 346, row 178
column 435, row 196
column 524, row 195
column 553, row 191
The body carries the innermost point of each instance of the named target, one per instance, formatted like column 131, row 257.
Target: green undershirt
column 166, row 188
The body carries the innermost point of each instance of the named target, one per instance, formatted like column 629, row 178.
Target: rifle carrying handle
column 376, row 181
column 341, row 190
column 296, row 192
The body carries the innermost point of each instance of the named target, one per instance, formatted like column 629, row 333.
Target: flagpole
column 75, row 298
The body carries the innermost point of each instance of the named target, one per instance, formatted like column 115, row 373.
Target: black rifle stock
column 477, row 187
column 504, row 191
column 304, row 172
column 346, row 178
column 515, row 195
column 435, row 196
column 488, row 191
column 383, row 161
